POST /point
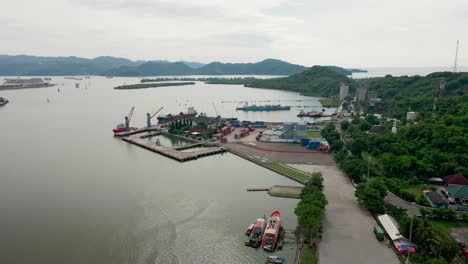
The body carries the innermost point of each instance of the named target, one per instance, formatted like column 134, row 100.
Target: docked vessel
column 20, row 83
column 247, row 107
column 309, row 114
column 272, row 232
column 275, row 260
column 191, row 112
column 3, row 101
column 255, row 232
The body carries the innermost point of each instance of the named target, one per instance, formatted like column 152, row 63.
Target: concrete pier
column 171, row 152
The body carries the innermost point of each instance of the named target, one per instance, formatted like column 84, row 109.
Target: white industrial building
column 344, row 91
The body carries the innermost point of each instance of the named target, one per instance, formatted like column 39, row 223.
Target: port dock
column 173, row 153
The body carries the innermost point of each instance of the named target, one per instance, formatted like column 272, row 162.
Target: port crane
column 150, row 116
column 128, row 118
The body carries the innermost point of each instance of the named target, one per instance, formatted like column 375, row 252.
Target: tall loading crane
column 125, row 127
column 128, row 118
column 150, row 116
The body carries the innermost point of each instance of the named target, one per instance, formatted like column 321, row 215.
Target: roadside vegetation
column 435, row 243
column 309, row 256
column 293, row 173
column 310, row 212
column 151, row 85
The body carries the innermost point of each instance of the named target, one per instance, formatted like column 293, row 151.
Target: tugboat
column 272, row 232
column 309, row 114
column 255, row 232
column 191, row 112
column 3, row 101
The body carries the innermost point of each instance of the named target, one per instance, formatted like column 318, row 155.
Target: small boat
column 121, row 128
column 275, row 259
column 272, row 232
column 255, row 233
column 3, row 101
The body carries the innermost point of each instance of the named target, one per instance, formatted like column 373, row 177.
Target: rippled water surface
column 72, row 193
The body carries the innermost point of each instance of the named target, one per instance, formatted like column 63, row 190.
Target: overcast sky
column 351, row 33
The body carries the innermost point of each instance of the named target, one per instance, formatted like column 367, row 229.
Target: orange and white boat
column 272, row 231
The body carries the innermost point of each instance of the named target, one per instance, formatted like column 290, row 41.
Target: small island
column 151, row 85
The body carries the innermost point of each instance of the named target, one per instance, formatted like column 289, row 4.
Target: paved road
column 348, row 228
column 268, row 156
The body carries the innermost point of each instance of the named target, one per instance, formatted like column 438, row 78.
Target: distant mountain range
column 25, row 65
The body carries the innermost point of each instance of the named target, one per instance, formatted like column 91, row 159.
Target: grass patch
column 417, row 192
column 327, row 102
column 298, row 175
column 313, row 134
column 308, row 255
column 151, row 85
column 444, row 225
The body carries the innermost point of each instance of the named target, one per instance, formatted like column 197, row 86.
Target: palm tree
column 425, row 235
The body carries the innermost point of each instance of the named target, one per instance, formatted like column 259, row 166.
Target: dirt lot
column 308, row 157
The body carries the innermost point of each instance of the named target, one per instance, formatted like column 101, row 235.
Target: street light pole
column 409, row 246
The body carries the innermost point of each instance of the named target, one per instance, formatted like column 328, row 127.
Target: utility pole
column 368, row 167
column 409, row 246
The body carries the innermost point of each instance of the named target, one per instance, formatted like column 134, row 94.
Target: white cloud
column 349, row 33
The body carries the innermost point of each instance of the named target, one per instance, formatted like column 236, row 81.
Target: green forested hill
column 400, row 93
column 317, row 80
column 435, row 146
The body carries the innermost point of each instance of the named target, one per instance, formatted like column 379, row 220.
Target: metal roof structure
column 390, row 226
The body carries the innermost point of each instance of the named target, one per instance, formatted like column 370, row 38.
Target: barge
column 246, row 108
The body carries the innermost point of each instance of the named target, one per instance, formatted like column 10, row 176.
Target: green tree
column 344, row 125
column 371, row 195
column 425, row 235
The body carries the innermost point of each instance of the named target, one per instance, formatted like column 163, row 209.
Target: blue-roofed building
column 458, row 193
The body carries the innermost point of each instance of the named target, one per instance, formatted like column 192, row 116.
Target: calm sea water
column 72, row 193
